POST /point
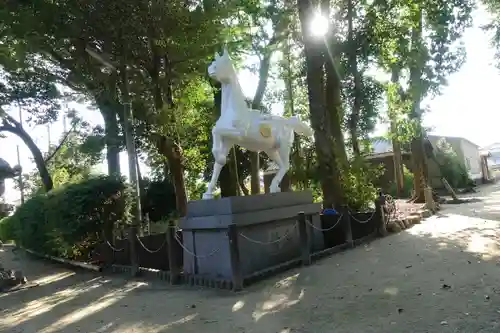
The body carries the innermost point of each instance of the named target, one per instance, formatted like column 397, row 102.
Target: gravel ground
column 440, row 276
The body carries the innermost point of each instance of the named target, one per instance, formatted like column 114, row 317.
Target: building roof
column 493, row 146
column 454, row 137
column 384, row 146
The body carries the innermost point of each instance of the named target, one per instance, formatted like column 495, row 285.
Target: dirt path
column 440, row 276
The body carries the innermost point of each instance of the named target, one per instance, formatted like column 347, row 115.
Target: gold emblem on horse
column 265, row 130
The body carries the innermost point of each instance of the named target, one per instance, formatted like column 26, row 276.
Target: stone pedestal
column 266, row 229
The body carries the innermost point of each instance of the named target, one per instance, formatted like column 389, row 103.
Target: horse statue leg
column 220, row 150
column 281, row 157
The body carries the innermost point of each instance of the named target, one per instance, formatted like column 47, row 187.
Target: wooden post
column 379, row 209
column 347, row 226
column 304, row 239
column 234, row 251
column 174, row 252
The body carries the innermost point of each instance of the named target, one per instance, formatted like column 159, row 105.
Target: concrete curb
column 414, row 218
column 73, row 263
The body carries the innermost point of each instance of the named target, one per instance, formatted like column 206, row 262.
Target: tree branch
column 61, row 143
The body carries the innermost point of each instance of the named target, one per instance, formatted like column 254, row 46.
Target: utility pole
column 48, row 137
column 20, row 176
column 65, row 125
column 132, row 163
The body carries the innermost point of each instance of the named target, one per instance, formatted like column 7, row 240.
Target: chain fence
column 111, row 246
column 153, row 251
column 188, row 251
column 360, row 221
column 276, row 241
column 325, row 229
column 389, row 206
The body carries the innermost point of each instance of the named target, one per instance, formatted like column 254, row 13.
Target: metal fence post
column 379, row 208
column 304, row 239
column 347, row 226
column 234, row 251
column 174, row 251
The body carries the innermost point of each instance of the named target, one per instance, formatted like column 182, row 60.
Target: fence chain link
column 194, row 254
column 114, row 249
column 153, row 251
column 362, row 221
column 326, row 229
column 285, row 235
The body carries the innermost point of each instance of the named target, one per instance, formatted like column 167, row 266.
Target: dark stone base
column 267, row 232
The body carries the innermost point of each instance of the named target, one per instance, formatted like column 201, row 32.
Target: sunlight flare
column 319, row 25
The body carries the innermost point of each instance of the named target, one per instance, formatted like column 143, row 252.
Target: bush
column 452, row 169
column 69, row 221
column 158, row 200
column 407, row 184
column 358, row 184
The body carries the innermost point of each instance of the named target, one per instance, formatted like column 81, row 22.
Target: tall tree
column 324, row 111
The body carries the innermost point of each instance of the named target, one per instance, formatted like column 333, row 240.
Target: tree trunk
column 419, row 174
column 320, row 121
column 243, row 188
column 354, row 117
column 12, row 126
column 111, row 135
column 396, row 146
column 173, row 155
column 333, row 101
column 162, row 94
column 265, row 64
column 110, row 107
column 334, row 107
column 112, row 140
column 227, row 182
column 420, row 171
column 297, row 162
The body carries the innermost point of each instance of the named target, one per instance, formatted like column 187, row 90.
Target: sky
column 466, row 107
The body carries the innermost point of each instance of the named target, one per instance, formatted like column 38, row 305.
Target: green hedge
column 67, row 222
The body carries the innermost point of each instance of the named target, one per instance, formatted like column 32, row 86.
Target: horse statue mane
column 250, row 129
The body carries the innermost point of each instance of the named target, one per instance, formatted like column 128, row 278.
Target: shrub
column 407, row 184
column 452, row 169
column 158, row 200
column 67, row 222
column 358, row 184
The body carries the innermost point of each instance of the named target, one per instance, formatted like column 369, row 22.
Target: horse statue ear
column 217, row 56
column 226, row 54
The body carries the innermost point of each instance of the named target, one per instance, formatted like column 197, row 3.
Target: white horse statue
column 250, row 129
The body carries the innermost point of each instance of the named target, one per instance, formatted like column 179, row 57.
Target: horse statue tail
column 299, row 126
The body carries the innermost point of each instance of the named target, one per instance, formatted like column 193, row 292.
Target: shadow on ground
column 440, row 276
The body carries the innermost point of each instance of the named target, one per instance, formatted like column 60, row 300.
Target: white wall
column 471, row 159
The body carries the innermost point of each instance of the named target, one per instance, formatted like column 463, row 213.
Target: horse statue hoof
column 275, row 189
column 207, row 196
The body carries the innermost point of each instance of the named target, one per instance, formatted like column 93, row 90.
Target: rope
column 327, row 229
column 151, row 251
column 360, row 221
column 271, row 242
column 194, row 254
column 110, row 245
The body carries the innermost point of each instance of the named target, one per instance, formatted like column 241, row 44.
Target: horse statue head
column 6, row 171
column 222, row 69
